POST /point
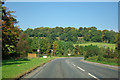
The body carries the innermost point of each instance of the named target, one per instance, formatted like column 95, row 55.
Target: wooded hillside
column 74, row 34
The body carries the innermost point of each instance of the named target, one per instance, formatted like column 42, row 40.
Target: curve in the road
column 72, row 68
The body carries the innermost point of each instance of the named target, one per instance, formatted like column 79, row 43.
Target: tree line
column 73, row 34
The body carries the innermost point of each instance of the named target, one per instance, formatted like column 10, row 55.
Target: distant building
column 31, row 55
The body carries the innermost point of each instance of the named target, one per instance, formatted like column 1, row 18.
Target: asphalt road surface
column 72, row 68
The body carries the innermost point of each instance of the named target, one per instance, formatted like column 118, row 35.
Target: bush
column 93, row 58
column 92, row 51
column 109, row 60
column 81, row 50
column 100, row 58
column 109, row 53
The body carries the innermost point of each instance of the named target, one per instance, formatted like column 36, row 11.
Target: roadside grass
column 104, row 62
column 69, row 56
column 0, row 72
column 16, row 68
column 99, row 44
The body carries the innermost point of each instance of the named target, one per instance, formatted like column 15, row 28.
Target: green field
column 112, row 46
column 16, row 68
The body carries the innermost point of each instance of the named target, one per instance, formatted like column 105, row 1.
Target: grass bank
column 108, row 61
column 16, row 68
column 71, row 56
column 99, row 44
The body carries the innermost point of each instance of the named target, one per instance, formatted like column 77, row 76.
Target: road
column 72, row 68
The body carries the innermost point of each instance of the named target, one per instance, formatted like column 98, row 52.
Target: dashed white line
column 93, row 76
column 88, row 73
column 73, row 65
column 80, row 68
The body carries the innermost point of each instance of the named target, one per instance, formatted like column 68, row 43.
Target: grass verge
column 103, row 62
column 71, row 56
column 16, row 68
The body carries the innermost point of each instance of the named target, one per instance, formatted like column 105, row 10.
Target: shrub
column 81, row 50
column 100, row 58
column 109, row 60
column 93, row 58
column 92, row 51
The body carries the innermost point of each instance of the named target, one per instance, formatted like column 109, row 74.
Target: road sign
column 38, row 50
column 69, row 54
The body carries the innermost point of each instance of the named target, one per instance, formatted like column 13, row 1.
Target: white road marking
column 93, row 76
column 84, row 70
column 73, row 65
column 80, row 68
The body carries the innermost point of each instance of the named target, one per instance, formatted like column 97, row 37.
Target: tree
column 71, row 35
column 109, row 36
column 87, row 36
column 44, row 46
column 35, row 44
column 96, row 36
column 77, row 49
column 55, row 47
column 64, row 48
column 117, row 49
column 51, row 38
column 41, row 43
column 81, row 50
column 29, row 40
column 22, row 46
column 29, row 32
column 91, row 51
column 10, row 33
column 61, row 47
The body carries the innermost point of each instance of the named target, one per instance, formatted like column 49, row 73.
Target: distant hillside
column 73, row 34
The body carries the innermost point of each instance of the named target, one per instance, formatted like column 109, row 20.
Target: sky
column 63, row 0
column 103, row 15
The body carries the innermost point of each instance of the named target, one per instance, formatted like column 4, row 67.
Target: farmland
column 106, row 45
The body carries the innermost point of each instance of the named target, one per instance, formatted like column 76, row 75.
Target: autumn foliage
column 10, row 33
